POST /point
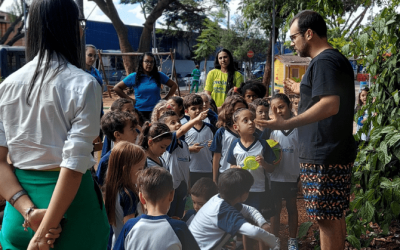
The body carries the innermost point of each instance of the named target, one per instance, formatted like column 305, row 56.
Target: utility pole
column 229, row 17
column 273, row 50
column 83, row 40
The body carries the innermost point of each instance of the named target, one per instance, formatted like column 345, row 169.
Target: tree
column 376, row 179
column 16, row 18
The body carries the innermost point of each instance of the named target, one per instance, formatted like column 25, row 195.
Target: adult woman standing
column 224, row 77
column 48, row 120
column 91, row 55
column 146, row 83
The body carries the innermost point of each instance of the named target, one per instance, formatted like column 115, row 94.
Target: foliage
column 242, row 37
column 303, row 229
column 376, row 180
column 208, row 40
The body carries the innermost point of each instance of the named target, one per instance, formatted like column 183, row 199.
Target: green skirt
column 85, row 225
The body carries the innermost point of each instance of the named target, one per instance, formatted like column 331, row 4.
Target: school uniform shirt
column 102, row 168
column 221, row 143
column 151, row 163
column 125, row 205
column 238, row 152
column 147, row 92
column 201, row 162
column 212, row 118
column 189, row 216
column 289, row 166
column 185, row 119
column 217, row 221
column 155, row 232
column 58, row 126
column 177, row 159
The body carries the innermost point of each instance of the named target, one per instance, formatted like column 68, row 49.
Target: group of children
column 148, row 168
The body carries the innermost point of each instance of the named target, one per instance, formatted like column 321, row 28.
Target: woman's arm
column 64, row 193
column 173, row 87
column 119, row 89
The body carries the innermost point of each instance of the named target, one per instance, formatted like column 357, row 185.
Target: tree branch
column 361, row 17
column 11, row 29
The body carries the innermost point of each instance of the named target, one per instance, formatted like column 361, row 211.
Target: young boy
column 224, row 215
column 201, row 192
column 199, row 139
column 117, row 126
column 155, row 230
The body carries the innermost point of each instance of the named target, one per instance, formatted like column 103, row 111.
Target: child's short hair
column 234, row 182
column 254, row 85
column 191, row 100
column 252, row 106
column 167, row 114
column 227, row 110
column 236, row 115
column 155, row 183
column 116, row 121
column 282, row 97
column 204, row 187
column 159, row 130
column 179, row 101
column 119, row 103
column 261, row 102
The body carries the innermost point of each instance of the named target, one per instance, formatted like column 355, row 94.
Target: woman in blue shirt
column 146, row 83
column 91, row 56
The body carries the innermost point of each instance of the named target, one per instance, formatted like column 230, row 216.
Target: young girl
column 160, row 108
column 252, row 90
column 177, row 158
column 225, row 134
column 295, row 104
column 212, row 117
column 285, row 177
column 362, row 101
column 176, row 104
column 121, row 199
column 154, row 139
column 262, row 113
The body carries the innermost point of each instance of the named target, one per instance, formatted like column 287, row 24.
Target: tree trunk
column 145, row 38
column 108, row 8
column 268, row 64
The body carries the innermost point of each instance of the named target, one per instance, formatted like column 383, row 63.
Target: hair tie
column 149, row 124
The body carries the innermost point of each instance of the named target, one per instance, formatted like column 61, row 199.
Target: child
column 126, row 161
column 154, row 139
column 262, row 112
column 200, row 193
column 285, row 177
column 252, row 90
column 199, row 138
column 249, row 145
column 362, row 101
column 212, row 117
column 295, row 104
column 160, row 108
column 155, row 230
column 177, row 158
column 122, row 105
column 223, row 215
column 176, row 103
column 225, row 134
column 117, row 126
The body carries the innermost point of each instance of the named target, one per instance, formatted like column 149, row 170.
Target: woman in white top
column 49, row 116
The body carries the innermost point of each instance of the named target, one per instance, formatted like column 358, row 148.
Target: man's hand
column 278, row 123
column 195, row 148
column 291, row 86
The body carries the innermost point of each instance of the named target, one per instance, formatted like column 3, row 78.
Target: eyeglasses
column 165, row 133
column 292, row 37
column 149, row 62
column 82, row 22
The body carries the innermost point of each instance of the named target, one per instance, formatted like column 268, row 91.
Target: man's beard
column 305, row 51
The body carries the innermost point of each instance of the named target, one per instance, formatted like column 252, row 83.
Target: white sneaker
column 278, row 244
column 293, row 244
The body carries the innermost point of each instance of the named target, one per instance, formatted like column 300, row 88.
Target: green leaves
column 367, row 211
column 354, row 241
column 303, row 229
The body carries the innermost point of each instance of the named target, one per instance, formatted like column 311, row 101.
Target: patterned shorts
column 326, row 190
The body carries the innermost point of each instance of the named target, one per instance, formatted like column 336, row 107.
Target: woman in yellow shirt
column 224, row 77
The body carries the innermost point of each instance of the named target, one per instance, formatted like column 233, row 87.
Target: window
column 295, row 73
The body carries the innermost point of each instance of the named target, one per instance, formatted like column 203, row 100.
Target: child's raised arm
column 187, row 126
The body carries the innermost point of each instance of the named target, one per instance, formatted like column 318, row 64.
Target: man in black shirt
column 325, row 126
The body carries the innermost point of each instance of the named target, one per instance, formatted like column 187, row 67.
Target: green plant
column 376, row 180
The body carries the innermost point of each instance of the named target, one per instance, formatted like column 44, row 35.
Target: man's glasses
column 292, row 37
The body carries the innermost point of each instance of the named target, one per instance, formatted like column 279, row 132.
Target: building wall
column 5, row 24
column 279, row 68
column 289, row 72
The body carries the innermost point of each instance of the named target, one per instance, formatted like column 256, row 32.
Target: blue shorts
column 256, row 200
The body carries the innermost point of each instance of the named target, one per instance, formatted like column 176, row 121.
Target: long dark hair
column 153, row 73
column 227, row 110
column 53, row 30
column 231, row 68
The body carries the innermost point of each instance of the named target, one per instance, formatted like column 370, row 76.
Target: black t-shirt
column 329, row 141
